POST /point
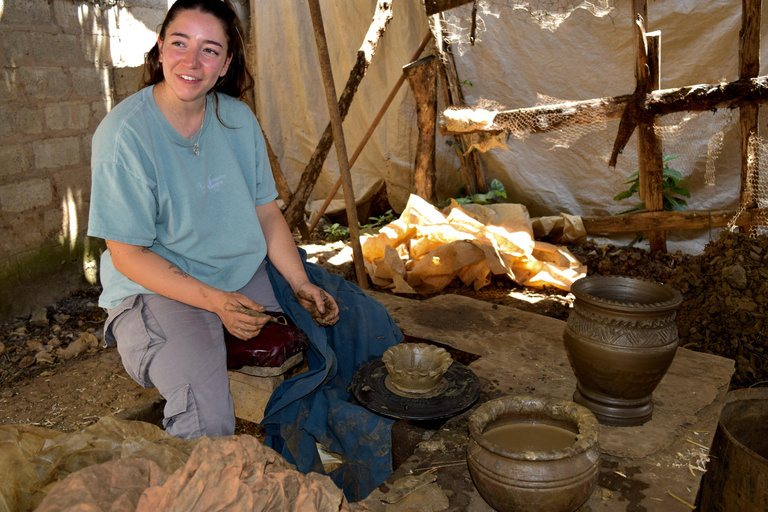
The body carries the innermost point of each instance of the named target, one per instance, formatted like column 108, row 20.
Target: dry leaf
column 27, row 361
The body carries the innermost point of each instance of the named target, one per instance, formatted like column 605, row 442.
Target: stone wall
column 65, row 63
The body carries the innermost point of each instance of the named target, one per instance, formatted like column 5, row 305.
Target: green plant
column 497, row 191
column 672, row 186
column 336, row 232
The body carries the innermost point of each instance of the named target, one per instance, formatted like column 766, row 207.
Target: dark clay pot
column 534, row 481
column 620, row 339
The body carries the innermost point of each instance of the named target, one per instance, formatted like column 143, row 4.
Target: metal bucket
column 737, row 474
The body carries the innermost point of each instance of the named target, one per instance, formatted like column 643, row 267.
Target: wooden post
column 338, row 141
column 749, row 67
column 470, row 163
column 649, row 152
column 422, row 77
column 368, row 134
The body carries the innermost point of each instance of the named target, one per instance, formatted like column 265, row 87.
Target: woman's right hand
column 241, row 316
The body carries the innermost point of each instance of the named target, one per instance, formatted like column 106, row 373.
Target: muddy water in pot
column 526, row 437
column 550, row 472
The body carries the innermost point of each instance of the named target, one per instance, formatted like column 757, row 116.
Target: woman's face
column 193, row 54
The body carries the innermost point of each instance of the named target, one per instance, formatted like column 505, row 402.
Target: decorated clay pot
column 537, row 477
column 620, row 338
column 416, row 369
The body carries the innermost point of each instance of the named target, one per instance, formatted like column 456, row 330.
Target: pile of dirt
column 37, row 344
column 725, row 304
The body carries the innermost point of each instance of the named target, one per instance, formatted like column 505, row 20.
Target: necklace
column 196, row 149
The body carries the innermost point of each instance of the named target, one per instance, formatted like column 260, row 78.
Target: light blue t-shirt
column 198, row 212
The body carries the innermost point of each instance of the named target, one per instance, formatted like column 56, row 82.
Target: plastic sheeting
column 127, row 466
column 425, row 249
column 511, row 63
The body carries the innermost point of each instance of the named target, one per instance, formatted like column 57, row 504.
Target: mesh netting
column 694, row 138
column 756, row 190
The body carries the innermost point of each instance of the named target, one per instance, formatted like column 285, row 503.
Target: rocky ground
column 54, row 371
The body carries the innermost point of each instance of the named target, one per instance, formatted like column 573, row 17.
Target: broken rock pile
column 725, row 304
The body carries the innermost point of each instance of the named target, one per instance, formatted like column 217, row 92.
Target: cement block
column 127, row 81
column 67, row 116
column 96, row 49
column 26, row 12
column 90, row 81
column 29, row 121
column 98, row 111
column 6, row 121
column 61, row 48
column 41, row 82
column 57, row 152
column 13, row 160
column 74, row 185
column 25, row 195
column 8, row 89
column 251, row 394
column 17, row 48
column 78, row 18
column 53, row 223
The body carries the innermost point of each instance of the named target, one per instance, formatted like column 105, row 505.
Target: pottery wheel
column 461, row 389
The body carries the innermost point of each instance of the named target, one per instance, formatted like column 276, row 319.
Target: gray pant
column 180, row 350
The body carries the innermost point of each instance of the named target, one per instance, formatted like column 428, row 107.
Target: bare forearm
column 157, row 274
column 281, row 248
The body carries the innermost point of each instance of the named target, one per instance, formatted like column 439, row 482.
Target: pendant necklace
column 196, row 149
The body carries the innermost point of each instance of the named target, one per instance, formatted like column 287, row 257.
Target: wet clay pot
column 620, row 339
column 531, row 479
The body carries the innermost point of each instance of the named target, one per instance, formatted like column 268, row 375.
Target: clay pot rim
column 581, row 289
column 414, row 373
column 556, row 408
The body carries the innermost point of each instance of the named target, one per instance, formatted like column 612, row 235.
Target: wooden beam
column 422, row 78
column 381, row 18
column 471, row 171
column 749, row 67
column 650, row 157
column 668, row 221
column 338, row 140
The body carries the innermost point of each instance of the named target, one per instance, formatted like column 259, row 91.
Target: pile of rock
column 34, row 345
column 725, row 306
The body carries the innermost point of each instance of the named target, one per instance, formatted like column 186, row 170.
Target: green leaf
column 682, row 191
column 623, row 195
column 674, row 173
column 463, row 200
column 497, row 185
column 669, row 157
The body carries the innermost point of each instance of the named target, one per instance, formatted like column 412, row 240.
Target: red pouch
column 276, row 343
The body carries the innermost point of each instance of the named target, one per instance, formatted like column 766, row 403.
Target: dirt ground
column 55, row 373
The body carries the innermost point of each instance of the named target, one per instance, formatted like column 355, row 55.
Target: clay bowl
column 415, row 368
column 550, row 473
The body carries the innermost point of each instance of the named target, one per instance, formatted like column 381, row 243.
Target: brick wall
column 65, row 63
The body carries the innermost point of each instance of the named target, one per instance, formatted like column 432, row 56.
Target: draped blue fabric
column 315, row 406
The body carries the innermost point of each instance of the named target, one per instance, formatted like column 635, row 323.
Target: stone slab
column 522, row 353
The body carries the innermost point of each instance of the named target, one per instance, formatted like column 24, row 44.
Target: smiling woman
column 183, row 194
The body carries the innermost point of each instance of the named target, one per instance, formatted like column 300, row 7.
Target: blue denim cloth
column 315, row 406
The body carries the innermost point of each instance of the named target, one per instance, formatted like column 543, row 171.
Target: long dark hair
column 238, row 79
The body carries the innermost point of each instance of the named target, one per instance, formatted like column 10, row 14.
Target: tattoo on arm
column 178, row 271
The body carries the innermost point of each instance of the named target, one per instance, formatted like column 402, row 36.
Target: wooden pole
column 650, row 146
column 749, row 67
column 668, row 221
column 470, row 163
column 368, row 134
column 294, row 213
column 422, row 77
column 338, row 140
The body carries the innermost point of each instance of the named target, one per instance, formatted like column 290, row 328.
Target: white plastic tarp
column 512, row 61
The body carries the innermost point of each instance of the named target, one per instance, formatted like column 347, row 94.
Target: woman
column 183, row 194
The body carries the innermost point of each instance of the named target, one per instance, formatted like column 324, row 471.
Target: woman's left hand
column 320, row 305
